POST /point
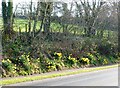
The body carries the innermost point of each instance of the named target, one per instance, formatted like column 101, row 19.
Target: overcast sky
column 15, row 2
column 20, row 1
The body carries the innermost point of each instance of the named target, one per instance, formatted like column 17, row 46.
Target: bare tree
column 45, row 15
column 89, row 12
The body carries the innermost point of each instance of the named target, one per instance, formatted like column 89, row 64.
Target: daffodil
column 86, row 60
column 8, row 60
column 105, row 61
column 3, row 61
column 59, row 54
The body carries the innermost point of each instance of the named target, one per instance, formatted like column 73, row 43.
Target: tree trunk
column 7, row 14
column 36, row 19
column 4, row 14
column 47, row 17
column 10, row 15
column 30, row 19
column 119, row 27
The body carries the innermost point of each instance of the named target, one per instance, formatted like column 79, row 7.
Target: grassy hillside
column 24, row 55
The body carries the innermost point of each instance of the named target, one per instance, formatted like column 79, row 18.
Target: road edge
column 40, row 77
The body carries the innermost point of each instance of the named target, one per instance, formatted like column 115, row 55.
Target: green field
column 55, row 27
column 1, row 23
column 20, row 23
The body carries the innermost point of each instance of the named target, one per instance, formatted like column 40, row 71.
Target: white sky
column 15, row 2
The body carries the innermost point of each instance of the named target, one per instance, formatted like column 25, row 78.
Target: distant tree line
column 94, row 17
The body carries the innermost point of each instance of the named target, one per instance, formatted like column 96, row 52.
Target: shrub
column 43, row 64
column 92, row 58
column 14, row 49
column 107, row 48
column 111, row 59
column 35, row 66
column 51, row 66
column 9, row 67
column 59, row 64
column 24, row 62
column 70, row 61
column 23, row 72
column 102, row 60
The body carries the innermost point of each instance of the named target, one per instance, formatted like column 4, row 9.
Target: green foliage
column 112, row 59
column 93, row 59
column 9, row 67
column 107, row 48
column 102, row 60
column 70, row 61
column 35, row 66
column 22, row 72
column 105, row 61
column 45, row 56
column 26, row 65
column 13, row 49
column 57, row 55
column 49, row 65
column 59, row 64
column 30, row 65
column 85, row 61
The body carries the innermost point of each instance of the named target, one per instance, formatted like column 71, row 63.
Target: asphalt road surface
column 107, row 77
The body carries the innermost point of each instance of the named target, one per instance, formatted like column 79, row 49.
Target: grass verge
column 39, row 77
